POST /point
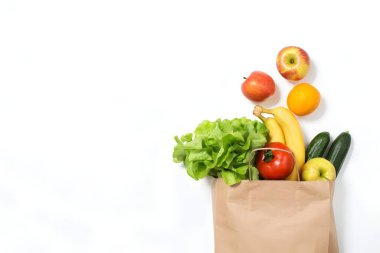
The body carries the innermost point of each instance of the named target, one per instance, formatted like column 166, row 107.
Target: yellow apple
column 293, row 63
column 318, row 169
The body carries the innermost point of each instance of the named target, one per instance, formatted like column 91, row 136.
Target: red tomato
column 275, row 164
column 258, row 86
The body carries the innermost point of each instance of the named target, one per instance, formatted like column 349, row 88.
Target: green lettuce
column 221, row 149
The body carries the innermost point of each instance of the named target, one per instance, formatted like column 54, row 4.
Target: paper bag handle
column 278, row 149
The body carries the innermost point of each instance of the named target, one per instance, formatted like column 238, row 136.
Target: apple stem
column 244, row 78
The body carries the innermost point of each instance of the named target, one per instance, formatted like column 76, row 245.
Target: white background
column 92, row 93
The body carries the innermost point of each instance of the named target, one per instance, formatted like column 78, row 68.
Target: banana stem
column 263, row 119
column 258, row 110
column 265, row 110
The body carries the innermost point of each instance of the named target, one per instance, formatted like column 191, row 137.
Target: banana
column 275, row 131
column 292, row 133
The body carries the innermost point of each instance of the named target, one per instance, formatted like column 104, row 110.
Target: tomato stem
column 268, row 156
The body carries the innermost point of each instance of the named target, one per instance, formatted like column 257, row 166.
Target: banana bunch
column 284, row 128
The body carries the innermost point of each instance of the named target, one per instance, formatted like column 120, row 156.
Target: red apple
column 293, row 63
column 258, row 86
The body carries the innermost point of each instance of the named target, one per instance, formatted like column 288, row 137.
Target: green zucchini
column 338, row 150
column 317, row 146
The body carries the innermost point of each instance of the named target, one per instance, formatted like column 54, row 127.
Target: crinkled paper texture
column 274, row 217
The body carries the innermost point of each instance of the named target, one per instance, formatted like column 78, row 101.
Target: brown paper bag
column 274, row 217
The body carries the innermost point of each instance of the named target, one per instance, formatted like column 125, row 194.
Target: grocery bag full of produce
column 265, row 197
column 271, row 192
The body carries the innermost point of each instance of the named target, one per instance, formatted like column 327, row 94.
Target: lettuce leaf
column 221, row 148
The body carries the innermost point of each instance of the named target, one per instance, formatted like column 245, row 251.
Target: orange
column 303, row 99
